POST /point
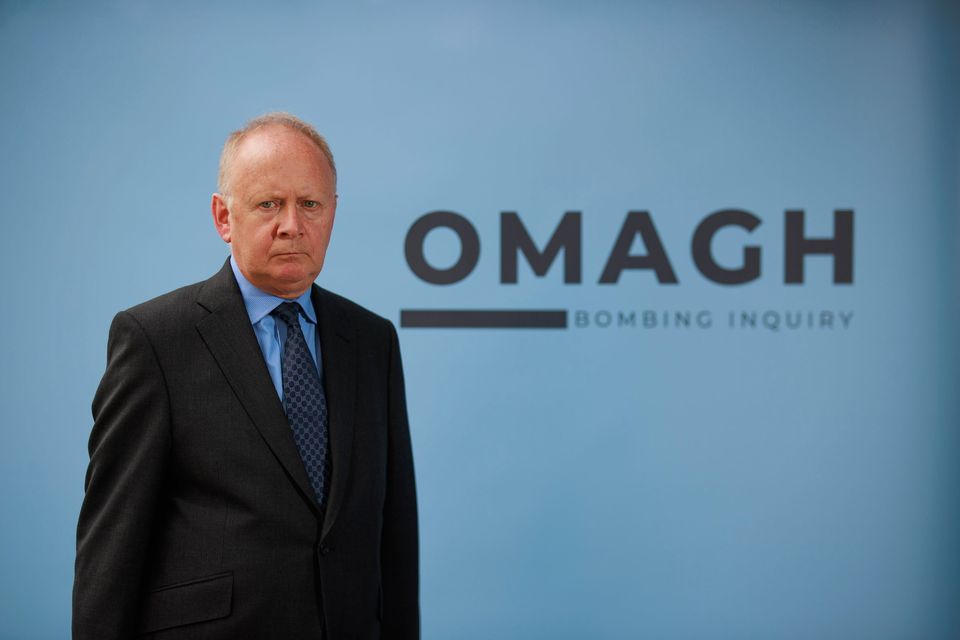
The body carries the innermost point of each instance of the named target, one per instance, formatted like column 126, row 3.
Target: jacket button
column 324, row 549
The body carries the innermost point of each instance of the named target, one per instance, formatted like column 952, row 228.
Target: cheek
column 321, row 235
column 255, row 244
column 260, row 236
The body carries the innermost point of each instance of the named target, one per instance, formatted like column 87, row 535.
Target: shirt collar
column 260, row 303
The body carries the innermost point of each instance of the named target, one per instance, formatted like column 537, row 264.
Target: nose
column 289, row 224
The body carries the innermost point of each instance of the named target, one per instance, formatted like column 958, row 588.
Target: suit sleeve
column 129, row 446
column 400, row 546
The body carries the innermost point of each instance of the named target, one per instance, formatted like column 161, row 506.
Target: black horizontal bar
column 484, row 318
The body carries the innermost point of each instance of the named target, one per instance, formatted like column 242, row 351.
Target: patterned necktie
column 304, row 401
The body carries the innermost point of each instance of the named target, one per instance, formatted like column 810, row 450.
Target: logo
column 515, row 242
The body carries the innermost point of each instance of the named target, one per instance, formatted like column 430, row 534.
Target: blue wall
column 617, row 482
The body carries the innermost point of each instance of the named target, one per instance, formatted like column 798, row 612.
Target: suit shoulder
column 181, row 298
column 359, row 316
column 168, row 314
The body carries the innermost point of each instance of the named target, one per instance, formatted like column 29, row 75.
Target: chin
column 294, row 279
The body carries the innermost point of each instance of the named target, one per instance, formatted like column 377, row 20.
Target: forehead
column 276, row 156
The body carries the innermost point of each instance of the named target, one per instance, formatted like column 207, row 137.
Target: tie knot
column 288, row 312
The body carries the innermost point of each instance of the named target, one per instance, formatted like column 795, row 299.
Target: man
column 250, row 472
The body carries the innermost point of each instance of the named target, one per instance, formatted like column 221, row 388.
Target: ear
column 221, row 216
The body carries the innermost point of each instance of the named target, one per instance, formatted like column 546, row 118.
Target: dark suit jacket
column 198, row 519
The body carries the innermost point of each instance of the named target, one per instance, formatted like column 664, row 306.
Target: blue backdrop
column 746, row 479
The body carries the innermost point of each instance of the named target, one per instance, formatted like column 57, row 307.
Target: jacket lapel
column 229, row 336
column 338, row 351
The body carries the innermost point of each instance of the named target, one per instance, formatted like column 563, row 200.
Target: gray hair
column 279, row 118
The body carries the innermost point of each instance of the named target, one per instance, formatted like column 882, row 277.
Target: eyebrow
column 267, row 195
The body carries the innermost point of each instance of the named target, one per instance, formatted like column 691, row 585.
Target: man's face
column 278, row 211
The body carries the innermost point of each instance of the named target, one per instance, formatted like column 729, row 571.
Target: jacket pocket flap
column 206, row 598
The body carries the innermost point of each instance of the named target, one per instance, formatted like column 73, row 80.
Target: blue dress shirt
column 272, row 334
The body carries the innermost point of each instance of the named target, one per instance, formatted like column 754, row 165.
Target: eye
column 268, row 204
column 311, row 204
